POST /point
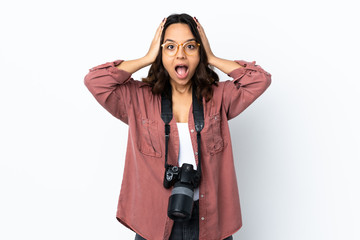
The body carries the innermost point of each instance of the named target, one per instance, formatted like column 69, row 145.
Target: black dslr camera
column 184, row 179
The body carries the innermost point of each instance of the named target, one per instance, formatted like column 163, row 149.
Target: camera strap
column 167, row 115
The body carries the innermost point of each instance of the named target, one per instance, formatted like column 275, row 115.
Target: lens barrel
column 181, row 202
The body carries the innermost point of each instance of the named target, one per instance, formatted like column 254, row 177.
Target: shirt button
column 202, row 195
column 202, row 218
column 192, row 130
column 196, row 153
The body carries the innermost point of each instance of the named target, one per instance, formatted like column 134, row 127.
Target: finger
column 196, row 20
column 159, row 30
column 161, row 26
column 197, row 23
column 162, row 23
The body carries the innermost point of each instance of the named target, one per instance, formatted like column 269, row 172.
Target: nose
column 180, row 53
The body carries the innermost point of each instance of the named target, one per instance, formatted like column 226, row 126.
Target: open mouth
column 181, row 71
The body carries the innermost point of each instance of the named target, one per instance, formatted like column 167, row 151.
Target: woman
column 179, row 56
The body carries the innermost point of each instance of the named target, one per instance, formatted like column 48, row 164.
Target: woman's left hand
column 205, row 41
column 226, row 66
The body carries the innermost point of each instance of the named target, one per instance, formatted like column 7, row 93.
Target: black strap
column 166, row 115
column 198, row 113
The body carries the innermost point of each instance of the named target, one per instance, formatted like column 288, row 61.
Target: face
column 181, row 67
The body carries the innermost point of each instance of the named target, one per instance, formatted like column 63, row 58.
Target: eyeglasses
column 172, row 48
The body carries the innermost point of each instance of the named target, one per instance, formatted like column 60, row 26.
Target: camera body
column 172, row 174
column 184, row 179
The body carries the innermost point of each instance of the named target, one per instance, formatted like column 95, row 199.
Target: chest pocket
column 214, row 138
column 148, row 135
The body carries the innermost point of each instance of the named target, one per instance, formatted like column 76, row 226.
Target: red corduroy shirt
column 143, row 200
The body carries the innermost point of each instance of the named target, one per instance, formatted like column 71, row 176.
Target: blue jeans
column 185, row 230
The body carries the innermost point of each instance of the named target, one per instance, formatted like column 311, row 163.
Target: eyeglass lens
column 172, row 48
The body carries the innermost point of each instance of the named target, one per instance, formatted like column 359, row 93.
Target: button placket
column 194, row 145
column 202, row 197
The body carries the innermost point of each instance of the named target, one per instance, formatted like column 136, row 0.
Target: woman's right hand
column 155, row 44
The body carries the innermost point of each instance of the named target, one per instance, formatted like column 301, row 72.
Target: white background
column 296, row 148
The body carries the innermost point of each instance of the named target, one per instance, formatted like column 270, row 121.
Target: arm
column 249, row 80
column 132, row 66
column 224, row 65
column 111, row 82
column 135, row 65
column 105, row 82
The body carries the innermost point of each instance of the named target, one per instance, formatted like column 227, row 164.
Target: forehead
column 178, row 32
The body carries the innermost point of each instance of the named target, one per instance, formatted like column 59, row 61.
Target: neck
column 181, row 89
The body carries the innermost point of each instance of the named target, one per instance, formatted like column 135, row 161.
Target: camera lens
column 181, row 202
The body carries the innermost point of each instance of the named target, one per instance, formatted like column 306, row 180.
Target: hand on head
column 204, row 40
column 155, row 44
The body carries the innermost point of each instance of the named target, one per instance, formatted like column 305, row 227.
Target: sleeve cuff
column 236, row 73
column 106, row 65
column 111, row 68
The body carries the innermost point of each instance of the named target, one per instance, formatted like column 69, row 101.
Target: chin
column 182, row 82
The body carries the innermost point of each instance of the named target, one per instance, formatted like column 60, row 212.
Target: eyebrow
column 192, row 39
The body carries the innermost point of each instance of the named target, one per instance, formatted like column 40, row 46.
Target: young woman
column 179, row 56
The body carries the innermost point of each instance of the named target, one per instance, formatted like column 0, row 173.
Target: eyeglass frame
column 182, row 46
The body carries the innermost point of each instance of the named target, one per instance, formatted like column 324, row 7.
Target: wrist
column 224, row 65
column 147, row 60
column 212, row 60
column 132, row 66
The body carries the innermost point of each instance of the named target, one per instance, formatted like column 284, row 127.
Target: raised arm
column 135, row 65
column 111, row 82
column 249, row 80
column 226, row 66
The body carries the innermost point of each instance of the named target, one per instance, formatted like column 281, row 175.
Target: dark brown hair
column 204, row 77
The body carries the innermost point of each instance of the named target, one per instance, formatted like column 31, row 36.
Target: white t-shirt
column 186, row 152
